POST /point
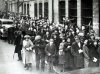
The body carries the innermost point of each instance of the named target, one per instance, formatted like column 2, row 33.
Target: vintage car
column 4, row 25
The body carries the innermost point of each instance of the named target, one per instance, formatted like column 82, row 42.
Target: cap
column 37, row 37
column 26, row 36
column 51, row 40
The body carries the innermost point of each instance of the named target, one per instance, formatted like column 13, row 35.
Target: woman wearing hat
column 68, row 62
column 27, row 47
column 61, row 53
column 86, row 54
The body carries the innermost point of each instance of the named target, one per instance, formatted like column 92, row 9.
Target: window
column 61, row 11
column 35, row 7
column 73, row 10
column 87, row 12
column 40, row 9
column 46, row 10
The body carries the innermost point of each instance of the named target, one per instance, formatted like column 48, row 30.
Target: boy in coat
column 50, row 50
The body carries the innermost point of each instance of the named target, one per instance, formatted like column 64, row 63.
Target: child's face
column 68, row 40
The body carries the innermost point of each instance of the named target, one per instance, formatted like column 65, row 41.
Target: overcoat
column 61, row 52
column 27, row 54
column 86, row 56
column 52, row 50
column 78, row 57
column 69, row 62
column 18, row 43
column 93, row 52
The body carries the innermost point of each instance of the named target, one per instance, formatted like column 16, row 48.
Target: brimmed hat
column 26, row 36
column 81, row 34
column 51, row 40
column 37, row 37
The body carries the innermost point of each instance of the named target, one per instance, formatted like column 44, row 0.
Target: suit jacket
column 86, row 52
column 75, row 49
column 78, row 57
column 50, row 49
column 18, row 43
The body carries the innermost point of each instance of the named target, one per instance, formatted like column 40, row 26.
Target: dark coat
column 39, row 46
column 18, row 43
column 78, row 57
column 11, row 34
column 68, row 56
column 61, row 53
column 93, row 52
column 52, row 50
column 45, row 37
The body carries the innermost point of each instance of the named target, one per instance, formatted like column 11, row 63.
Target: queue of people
column 66, row 46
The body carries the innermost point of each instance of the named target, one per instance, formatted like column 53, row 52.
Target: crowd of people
column 60, row 45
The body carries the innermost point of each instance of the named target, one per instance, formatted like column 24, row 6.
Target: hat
column 51, row 40
column 81, row 34
column 37, row 37
column 26, row 36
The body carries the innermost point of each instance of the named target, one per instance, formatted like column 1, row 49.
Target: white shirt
column 79, row 44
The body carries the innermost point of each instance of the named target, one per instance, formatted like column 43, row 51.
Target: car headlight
column 2, row 30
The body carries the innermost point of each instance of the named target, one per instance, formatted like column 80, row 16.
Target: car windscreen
column 7, row 22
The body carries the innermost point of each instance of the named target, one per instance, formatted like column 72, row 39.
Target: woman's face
column 85, row 42
column 63, row 40
column 69, row 33
column 55, row 36
column 51, row 41
column 77, row 40
column 95, row 43
column 27, row 39
column 68, row 40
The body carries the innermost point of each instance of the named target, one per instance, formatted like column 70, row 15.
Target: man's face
column 95, row 43
column 77, row 40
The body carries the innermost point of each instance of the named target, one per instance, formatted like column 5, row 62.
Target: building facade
column 2, row 5
column 83, row 12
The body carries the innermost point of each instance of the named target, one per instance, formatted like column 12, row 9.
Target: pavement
column 8, row 65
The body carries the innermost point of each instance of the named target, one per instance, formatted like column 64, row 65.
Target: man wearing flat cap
column 39, row 46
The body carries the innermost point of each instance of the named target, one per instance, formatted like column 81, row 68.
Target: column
column 26, row 8
column 66, row 8
column 42, row 8
column 37, row 9
column 96, row 17
column 32, row 10
column 23, row 8
column 10, row 7
column 50, row 10
column 79, row 13
column 56, row 11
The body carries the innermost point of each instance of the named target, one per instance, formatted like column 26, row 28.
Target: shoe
column 26, row 68
column 19, row 60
